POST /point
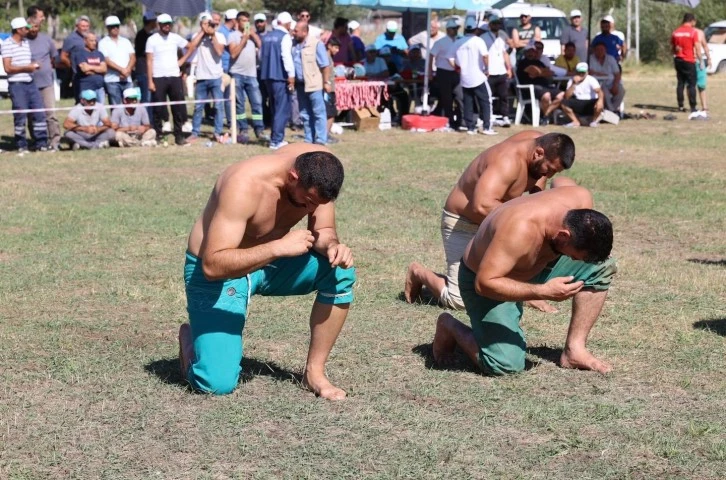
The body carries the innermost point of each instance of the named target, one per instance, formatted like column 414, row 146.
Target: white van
column 551, row 21
column 716, row 38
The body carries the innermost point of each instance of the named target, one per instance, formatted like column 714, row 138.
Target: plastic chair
column 523, row 102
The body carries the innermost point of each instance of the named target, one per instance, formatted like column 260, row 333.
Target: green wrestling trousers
column 218, row 310
column 495, row 324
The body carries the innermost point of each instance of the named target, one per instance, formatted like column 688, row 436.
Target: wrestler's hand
column 340, row 255
column 296, row 242
column 560, row 288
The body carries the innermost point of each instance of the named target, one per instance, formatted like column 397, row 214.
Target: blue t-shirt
column 225, row 54
column 612, row 43
column 396, row 42
column 94, row 58
column 358, row 46
column 73, row 42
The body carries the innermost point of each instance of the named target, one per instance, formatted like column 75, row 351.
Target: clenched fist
column 296, row 242
column 561, row 288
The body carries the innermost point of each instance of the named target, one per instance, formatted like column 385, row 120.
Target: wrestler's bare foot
column 444, row 343
column 186, row 348
column 541, row 305
column 584, row 360
column 321, row 386
column 413, row 287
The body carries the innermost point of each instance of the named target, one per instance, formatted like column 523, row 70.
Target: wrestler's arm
column 512, row 245
column 322, row 224
column 563, row 182
column 491, row 189
column 221, row 254
column 539, row 186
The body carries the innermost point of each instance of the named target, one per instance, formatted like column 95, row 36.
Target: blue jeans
column 115, row 91
column 248, row 85
column 313, row 115
column 280, row 108
column 25, row 95
column 208, row 89
column 227, row 107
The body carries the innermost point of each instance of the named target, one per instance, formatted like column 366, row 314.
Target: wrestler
column 242, row 245
column 522, row 163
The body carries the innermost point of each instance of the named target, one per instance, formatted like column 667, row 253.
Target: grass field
column 91, row 298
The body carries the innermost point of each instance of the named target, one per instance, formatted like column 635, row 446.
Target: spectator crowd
column 286, row 73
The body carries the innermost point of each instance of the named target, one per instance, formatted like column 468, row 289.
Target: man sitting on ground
column 87, row 124
column 568, row 60
column 132, row 124
column 530, row 70
column 546, row 246
column 583, row 97
column 242, row 244
column 604, row 65
column 522, row 163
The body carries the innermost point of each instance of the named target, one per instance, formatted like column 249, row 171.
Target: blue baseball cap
column 88, row 95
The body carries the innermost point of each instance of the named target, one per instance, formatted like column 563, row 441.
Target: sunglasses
column 524, row 16
column 304, row 15
column 259, row 21
column 165, row 23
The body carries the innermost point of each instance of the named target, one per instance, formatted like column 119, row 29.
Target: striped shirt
column 20, row 57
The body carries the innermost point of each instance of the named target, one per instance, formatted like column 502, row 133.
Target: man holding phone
column 23, row 91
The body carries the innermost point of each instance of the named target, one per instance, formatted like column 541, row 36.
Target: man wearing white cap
column 526, row 32
column 395, row 41
column 87, row 125
column 576, row 34
column 142, row 74
column 23, row 91
column 433, row 35
column 277, row 70
column 472, row 56
column 162, row 63
column 583, row 97
column 358, row 46
column 229, row 26
column 120, row 60
column 43, row 51
column 132, row 124
column 614, row 45
column 447, row 78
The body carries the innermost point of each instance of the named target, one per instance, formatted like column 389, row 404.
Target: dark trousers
column 26, row 96
column 450, row 96
column 686, row 74
column 483, row 98
column 499, row 85
column 173, row 88
column 266, row 112
column 280, row 107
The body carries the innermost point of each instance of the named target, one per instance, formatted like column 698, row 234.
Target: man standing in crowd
column 260, row 20
column 701, row 72
column 90, row 67
column 120, row 60
column 583, row 97
column 131, row 123
column 75, row 41
column 229, row 26
column 447, row 78
column 471, row 57
column 22, row 88
column 278, row 73
column 243, row 45
column 433, row 35
column 331, row 109
column 604, row 65
column 162, row 63
column 303, row 15
column 577, row 34
column 42, row 51
column 210, row 46
column 518, row 165
column 346, row 53
column 142, row 74
column 499, row 69
column 526, row 32
column 358, row 46
column 613, row 44
column 312, row 77
column 686, row 48
column 87, row 125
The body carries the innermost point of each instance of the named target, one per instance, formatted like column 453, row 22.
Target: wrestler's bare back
column 260, row 182
column 515, row 236
column 510, row 163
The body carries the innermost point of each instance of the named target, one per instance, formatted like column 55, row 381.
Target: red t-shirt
column 684, row 38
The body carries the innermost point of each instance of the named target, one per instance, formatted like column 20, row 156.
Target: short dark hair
column 570, row 44
column 591, row 232
column 304, row 9
column 557, row 145
column 322, row 171
column 33, row 9
column 243, row 13
column 688, row 17
column 333, row 42
column 340, row 22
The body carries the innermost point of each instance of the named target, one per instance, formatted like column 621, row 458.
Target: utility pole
column 628, row 32
column 637, row 31
column 21, row 8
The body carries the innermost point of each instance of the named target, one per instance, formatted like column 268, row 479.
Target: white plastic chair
column 522, row 103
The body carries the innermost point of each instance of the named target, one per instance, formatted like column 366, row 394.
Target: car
column 551, row 21
column 716, row 38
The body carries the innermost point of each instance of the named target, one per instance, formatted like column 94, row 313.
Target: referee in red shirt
column 686, row 50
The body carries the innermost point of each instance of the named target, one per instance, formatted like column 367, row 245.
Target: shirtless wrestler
column 242, row 244
column 546, row 246
column 522, row 163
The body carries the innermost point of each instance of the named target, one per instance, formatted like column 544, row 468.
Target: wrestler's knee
column 219, row 380
column 337, row 286
column 502, row 363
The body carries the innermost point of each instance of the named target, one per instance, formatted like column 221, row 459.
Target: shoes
column 187, row 127
column 181, row 142
column 148, row 143
column 479, row 123
column 544, row 121
column 594, row 124
column 332, row 141
column 471, row 132
column 23, row 151
column 223, row 139
column 681, row 109
column 572, row 125
column 166, row 127
column 75, row 147
column 243, row 139
column 275, row 146
column 505, row 122
column 191, row 139
column 698, row 115
column 262, row 136
column 489, row 131
column 104, row 144
column 462, row 128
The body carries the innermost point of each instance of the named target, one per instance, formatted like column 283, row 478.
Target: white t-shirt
column 209, row 64
column 422, row 37
column 442, row 51
column 119, row 52
column 314, row 31
column 585, row 90
column 470, row 53
column 164, row 50
column 246, row 62
column 497, row 52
